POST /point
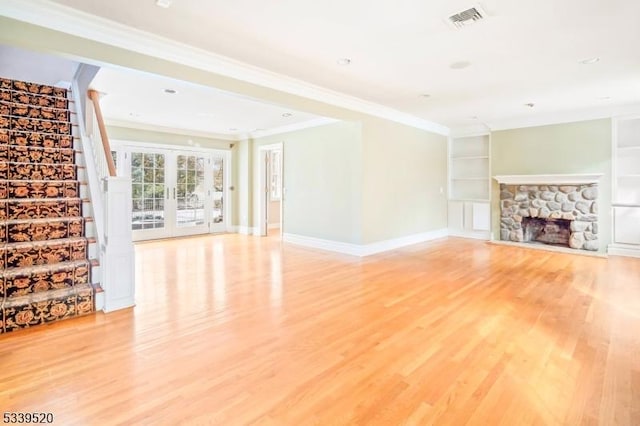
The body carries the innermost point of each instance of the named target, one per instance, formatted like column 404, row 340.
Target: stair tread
column 45, row 220
column 42, row 296
column 60, row 241
column 46, row 200
column 34, row 269
column 39, row 148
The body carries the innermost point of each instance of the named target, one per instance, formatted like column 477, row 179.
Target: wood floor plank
column 241, row 330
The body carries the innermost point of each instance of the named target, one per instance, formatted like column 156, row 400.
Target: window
column 275, row 174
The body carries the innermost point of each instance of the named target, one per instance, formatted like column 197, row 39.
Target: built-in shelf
column 626, row 187
column 469, row 212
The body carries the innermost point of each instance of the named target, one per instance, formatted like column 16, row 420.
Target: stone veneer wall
column 577, row 203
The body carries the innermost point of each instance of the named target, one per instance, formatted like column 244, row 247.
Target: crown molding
column 316, row 122
column 173, row 130
column 65, row 19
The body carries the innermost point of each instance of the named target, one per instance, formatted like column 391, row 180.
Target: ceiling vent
column 466, row 17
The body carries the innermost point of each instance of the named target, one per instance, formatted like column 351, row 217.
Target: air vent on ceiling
column 467, row 17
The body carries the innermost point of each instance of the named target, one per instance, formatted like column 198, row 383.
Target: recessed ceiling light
column 287, row 114
column 459, row 65
column 425, row 95
column 343, row 61
column 232, row 129
column 530, row 104
column 170, row 91
column 134, row 114
column 473, row 117
column 604, row 98
column 589, row 61
column 164, row 3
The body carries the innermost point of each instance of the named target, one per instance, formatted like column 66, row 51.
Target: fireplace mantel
column 548, row 179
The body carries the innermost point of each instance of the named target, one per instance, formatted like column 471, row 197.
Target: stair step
column 34, row 99
column 36, row 154
column 39, row 189
column 19, row 255
column 35, row 125
column 14, row 231
column 40, row 209
column 36, row 139
column 35, row 88
column 14, row 284
column 33, row 111
column 47, row 306
column 11, row 170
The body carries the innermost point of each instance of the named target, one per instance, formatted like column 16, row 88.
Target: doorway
column 176, row 192
column 271, row 195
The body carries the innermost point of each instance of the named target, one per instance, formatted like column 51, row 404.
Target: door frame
column 261, row 218
column 120, row 145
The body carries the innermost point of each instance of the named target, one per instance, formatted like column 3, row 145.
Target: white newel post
column 118, row 267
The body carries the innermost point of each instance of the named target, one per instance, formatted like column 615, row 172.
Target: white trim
column 623, row 250
column 100, row 301
column 244, row 230
column 316, row 122
column 71, row 21
column 151, row 146
column 596, row 113
column 362, row 250
column 569, row 179
column 173, row 130
column 476, row 235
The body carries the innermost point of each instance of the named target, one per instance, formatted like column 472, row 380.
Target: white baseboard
column 244, row 230
column 476, row 235
column 362, row 250
column 623, row 250
column 100, row 301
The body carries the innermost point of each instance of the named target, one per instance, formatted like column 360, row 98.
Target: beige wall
column 572, row 148
column 404, row 171
column 322, row 179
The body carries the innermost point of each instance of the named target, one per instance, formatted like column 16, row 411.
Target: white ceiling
column 525, row 51
column 136, row 98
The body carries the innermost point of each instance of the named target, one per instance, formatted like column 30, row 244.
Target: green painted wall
column 323, row 181
column 571, row 148
column 404, row 170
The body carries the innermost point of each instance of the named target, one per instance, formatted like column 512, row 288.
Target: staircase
column 45, row 270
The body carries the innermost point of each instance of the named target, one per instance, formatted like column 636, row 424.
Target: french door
column 176, row 193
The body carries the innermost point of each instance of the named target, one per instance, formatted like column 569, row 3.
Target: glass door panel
column 191, row 194
column 218, row 216
column 148, row 190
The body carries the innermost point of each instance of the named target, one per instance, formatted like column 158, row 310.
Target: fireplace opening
column 548, row 231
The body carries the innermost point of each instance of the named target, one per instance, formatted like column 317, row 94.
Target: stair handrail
column 94, row 96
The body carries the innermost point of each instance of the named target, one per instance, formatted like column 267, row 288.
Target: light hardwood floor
column 243, row 330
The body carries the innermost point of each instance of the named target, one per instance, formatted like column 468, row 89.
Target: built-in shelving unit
column 469, row 186
column 626, row 187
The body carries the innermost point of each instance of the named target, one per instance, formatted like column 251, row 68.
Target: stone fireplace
column 557, row 214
